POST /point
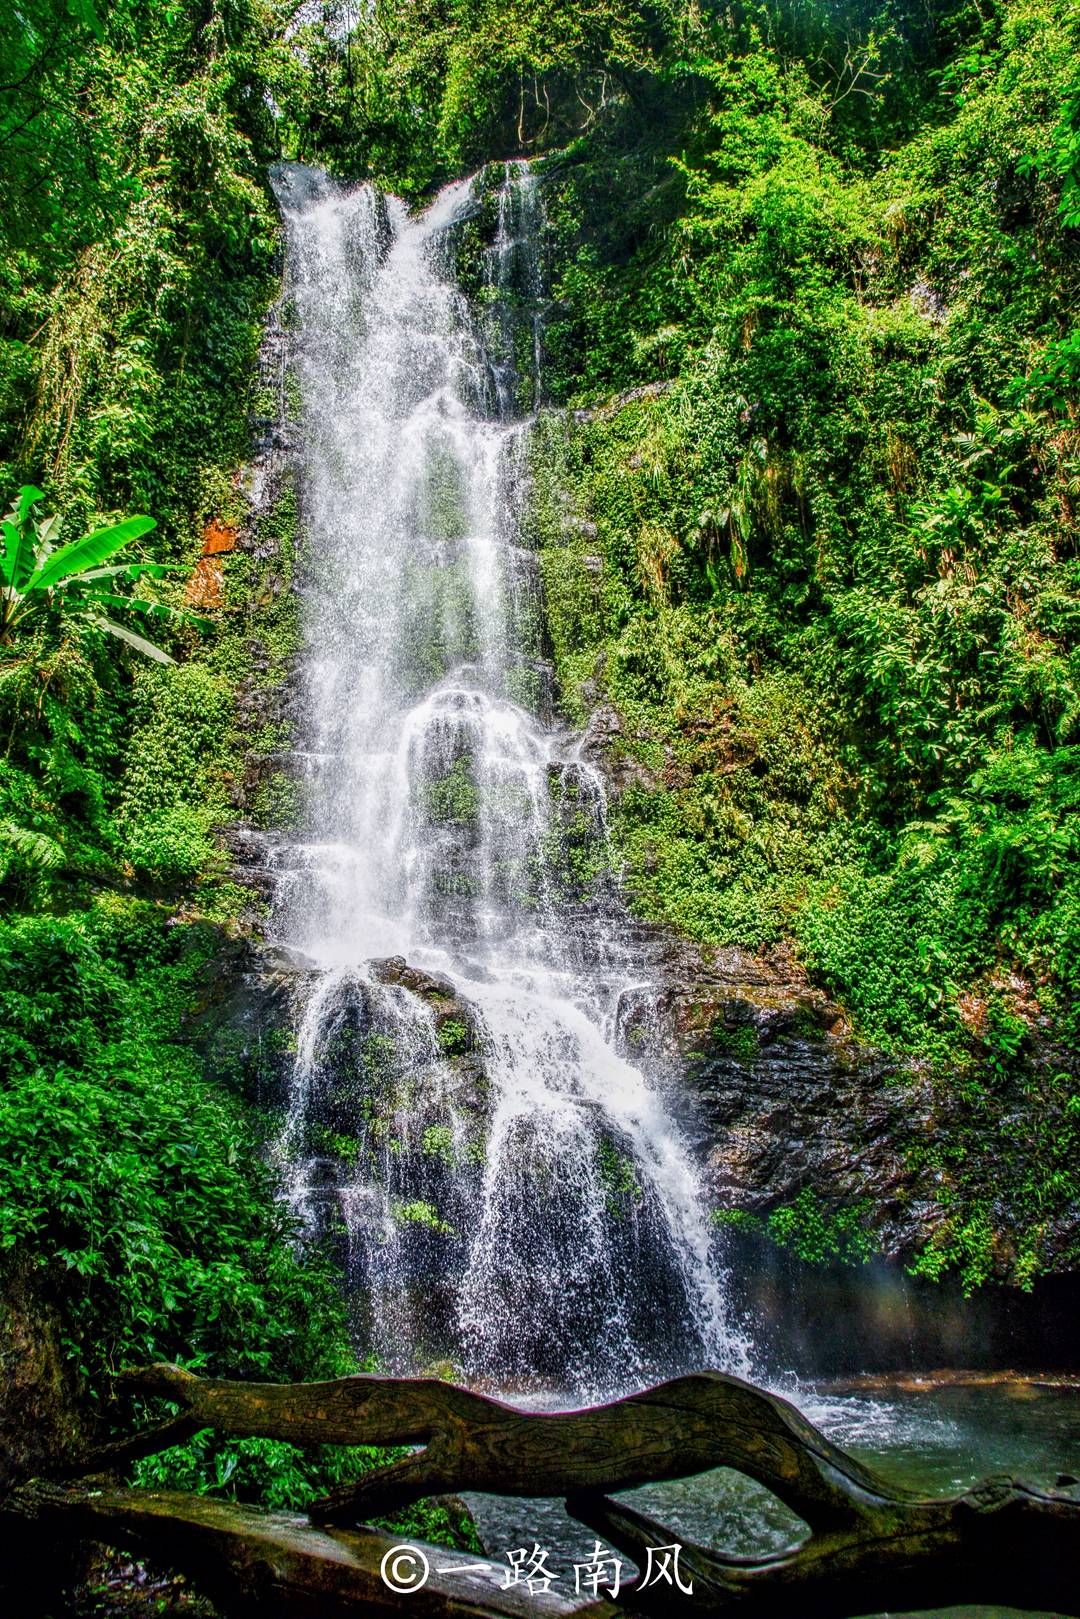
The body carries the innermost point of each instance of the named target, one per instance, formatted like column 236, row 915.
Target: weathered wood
column 255, row 1564
column 870, row 1546
column 675, row 1430
column 147, row 1442
column 1000, row 1543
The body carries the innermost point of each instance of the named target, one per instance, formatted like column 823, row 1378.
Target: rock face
column 602, row 746
column 40, row 1417
column 241, row 1024
column 781, row 1098
column 245, row 1019
column 776, row 1094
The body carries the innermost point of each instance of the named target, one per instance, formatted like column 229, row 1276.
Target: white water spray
column 548, row 1224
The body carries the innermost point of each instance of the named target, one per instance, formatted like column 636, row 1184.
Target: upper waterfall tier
column 556, row 1222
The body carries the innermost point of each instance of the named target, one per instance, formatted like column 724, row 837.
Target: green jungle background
column 832, row 253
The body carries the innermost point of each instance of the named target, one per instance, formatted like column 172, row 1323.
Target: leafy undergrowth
column 814, row 1234
column 135, row 1188
column 128, row 1178
column 286, row 1478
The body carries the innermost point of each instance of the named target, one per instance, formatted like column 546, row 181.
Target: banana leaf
column 147, row 648
column 159, row 610
column 89, row 552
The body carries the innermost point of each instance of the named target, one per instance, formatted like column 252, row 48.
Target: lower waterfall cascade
column 514, row 1196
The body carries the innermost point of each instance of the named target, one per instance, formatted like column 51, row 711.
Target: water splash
column 515, row 1193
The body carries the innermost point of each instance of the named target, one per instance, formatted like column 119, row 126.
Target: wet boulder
column 780, row 1098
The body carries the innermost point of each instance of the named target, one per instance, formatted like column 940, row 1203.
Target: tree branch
column 675, row 1430
column 871, row 1546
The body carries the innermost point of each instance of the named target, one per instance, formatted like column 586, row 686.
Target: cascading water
column 516, row 1196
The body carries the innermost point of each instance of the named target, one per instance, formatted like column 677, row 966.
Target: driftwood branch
column 472, row 1442
column 1001, row 1543
column 255, row 1564
column 870, row 1545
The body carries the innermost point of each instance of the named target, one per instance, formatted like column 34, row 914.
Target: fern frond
column 35, row 849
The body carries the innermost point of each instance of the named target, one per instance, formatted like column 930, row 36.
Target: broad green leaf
column 20, row 553
column 85, row 11
column 159, row 610
column 106, row 598
column 12, row 536
column 147, row 648
column 28, row 496
column 132, row 570
column 48, row 532
column 88, row 552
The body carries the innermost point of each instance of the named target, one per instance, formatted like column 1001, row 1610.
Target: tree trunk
column 254, row 1564
column 870, row 1544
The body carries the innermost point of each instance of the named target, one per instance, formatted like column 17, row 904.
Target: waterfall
column 512, row 1194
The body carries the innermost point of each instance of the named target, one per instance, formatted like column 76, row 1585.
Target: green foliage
column 39, row 123
column 34, row 849
column 420, row 1213
column 142, row 231
column 622, row 1191
column 818, row 1235
column 285, row 1478
column 417, row 91
column 453, row 800
column 128, row 1179
column 171, row 798
column 815, row 1234
column 108, row 774
column 740, row 1042
column 1061, row 159
column 1053, row 382
column 1010, row 1150
column 59, row 711
column 454, row 1037
column 138, row 233
column 39, row 579
column 438, row 1142
column 278, row 1474
column 994, row 872
column 349, row 1149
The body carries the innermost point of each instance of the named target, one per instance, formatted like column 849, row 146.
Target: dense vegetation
column 822, row 554
column 832, row 252
column 838, row 612
column 140, row 243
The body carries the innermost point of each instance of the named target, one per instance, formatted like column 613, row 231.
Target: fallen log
column 473, row 1442
column 255, row 1564
column 1002, row 1543
column 870, row 1545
